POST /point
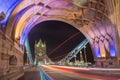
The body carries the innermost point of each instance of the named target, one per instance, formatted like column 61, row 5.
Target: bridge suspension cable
column 75, row 51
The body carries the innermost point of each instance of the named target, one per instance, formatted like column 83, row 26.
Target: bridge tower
column 40, row 52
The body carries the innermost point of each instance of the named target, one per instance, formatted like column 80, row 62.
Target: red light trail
column 74, row 35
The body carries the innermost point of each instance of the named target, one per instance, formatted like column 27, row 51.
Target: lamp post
column 75, row 57
column 81, row 57
column 85, row 53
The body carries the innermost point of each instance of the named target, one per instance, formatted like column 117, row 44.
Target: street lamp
column 75, row 57
column 85, row 53
column 81, row 57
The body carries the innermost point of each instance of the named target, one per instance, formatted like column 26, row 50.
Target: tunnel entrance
column 60, row 38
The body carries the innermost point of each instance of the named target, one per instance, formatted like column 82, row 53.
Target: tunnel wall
column 11, row 59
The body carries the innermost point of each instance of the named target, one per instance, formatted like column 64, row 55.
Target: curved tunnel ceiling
column 26, row 12
column 7, row 7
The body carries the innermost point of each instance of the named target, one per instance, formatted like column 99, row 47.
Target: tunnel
column 61, row 26
column 58, row 36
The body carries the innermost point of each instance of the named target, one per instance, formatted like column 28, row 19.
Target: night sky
column 60, row 39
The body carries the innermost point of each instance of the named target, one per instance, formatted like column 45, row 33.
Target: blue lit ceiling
column 7, row 7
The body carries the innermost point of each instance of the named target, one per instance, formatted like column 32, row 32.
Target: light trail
column 61, row 56
column 81, row 72
column 105, row 69
column 64, row 42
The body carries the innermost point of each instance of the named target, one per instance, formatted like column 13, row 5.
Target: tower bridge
column 97, row 20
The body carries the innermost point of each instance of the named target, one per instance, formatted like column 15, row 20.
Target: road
column 31, row 74
column 69, row 73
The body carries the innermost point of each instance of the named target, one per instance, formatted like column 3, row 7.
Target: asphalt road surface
column 55, row 72
column 63, row 73
column 31, row 74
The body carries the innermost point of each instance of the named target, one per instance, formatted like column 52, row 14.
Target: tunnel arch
column 100, row 46
column 56, row 20
column 39, row 20
column 89, row 30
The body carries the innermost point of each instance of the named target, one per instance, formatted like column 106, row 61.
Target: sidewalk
column 31, row 74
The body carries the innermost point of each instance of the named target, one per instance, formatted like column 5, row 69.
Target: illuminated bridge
column 75, row 51
column 61, row 25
